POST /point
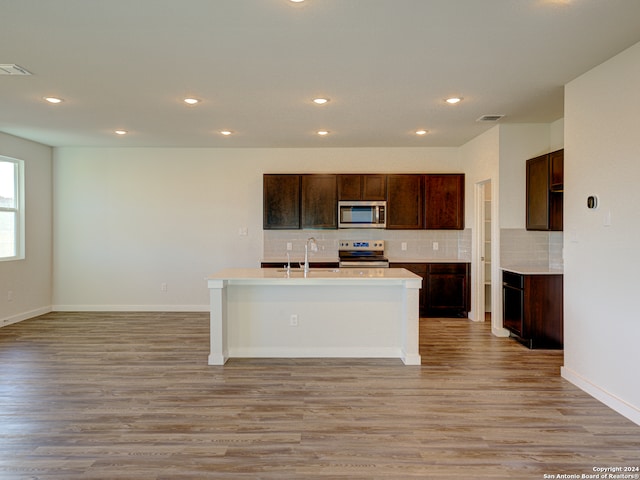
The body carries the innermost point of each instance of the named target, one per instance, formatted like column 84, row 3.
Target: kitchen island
column 343, row 313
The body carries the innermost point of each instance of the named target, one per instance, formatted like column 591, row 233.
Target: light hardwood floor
column 130, row 396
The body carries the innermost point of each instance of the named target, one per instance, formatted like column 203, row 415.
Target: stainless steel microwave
column 362, row 214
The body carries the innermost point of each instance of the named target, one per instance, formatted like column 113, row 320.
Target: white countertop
column 426, row 260
column 533, row 270
column 315, row 276
column 315, row 259
column 295, row 260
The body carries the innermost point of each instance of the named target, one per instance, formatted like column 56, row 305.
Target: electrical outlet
column 163, row 287
column 403, row 246
column 293, row 320
column 435, row 246
column 10, row 296
column 289, row 246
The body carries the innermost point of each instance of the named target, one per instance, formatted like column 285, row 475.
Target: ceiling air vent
column 489, row 118
column 12, row 69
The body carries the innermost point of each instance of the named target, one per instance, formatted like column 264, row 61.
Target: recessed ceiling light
column 191, row 101
column 54, row 100
column 120, row 132
column 320, row 101
column 226, row 133
column 322, row 133
column 453, row 100
column 296, row 1
column 422, row 132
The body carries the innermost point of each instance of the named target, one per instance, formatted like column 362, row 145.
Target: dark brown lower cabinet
column 445, row 288
column 532, row 308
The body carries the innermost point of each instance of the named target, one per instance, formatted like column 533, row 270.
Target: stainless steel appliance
column 362, row 214
column 362, row 253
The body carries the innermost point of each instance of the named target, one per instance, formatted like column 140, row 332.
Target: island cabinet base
column 306, row 318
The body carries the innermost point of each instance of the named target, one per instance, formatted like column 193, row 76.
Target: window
column 11, row 209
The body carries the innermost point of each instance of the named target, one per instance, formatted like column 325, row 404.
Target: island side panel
column 411, row 325
column 332, row 321
column 218, row 330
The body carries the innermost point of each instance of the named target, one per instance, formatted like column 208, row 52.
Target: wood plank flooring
column 130, row 396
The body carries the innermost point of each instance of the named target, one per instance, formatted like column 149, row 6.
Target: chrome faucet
column 311, row 243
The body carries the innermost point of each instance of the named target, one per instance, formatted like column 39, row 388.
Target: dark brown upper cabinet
column 544, row 200
column 362, row 187
column 556, row 166
column 444, row 201
column 405, row 199
column 319, row 201
column 281, row 202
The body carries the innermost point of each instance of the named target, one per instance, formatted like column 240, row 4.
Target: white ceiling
column 386, row 65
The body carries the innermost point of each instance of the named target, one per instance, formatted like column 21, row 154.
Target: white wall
column 518, row 143
column 481, row 160
column 29, row 279
column 128, row 220
column 602, row 156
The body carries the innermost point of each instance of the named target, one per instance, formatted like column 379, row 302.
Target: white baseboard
column 24, row 316
column 623, row 408
column 130, row 308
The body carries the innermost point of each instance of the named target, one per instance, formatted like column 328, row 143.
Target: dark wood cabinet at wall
column 281, row 202
column 405, row 199
column 445, row 288
column 545, row 184
column 556, row 172
column 444, row 201
column 414, row 201
column 447, row 291
column 362, row 187
column 319, row 201
column 533, row 308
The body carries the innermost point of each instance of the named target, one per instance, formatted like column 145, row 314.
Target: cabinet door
column 556, row 171
column 405, row 197
column 444, row 202
column 319, row 201
column 362, row 187
column 418, row 269
column 349, row 187
column 543, row 310
column 281, row 202
column 544, row 207
column 538, row 193
column 448, row 292
column 374, row 187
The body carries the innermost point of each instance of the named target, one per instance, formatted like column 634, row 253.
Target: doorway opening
column 484, row 250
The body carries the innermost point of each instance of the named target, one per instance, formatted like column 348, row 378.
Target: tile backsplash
column 517, row 245
column 531, row 248
column 451, row 244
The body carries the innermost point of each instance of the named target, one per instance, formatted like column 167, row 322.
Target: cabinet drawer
column 454, row 268
column 514, row 280
column 418, row 268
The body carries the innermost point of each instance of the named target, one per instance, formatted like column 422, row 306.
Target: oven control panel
column 361, row 245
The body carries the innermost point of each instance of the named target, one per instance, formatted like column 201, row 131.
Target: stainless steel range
column 362, row 253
